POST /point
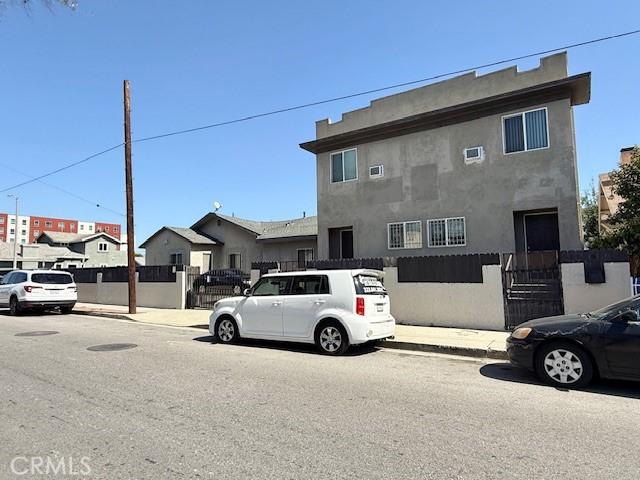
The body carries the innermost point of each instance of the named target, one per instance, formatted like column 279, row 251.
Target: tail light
column 360, row 305
column 30, row 288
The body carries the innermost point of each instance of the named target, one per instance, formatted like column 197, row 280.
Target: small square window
column 376, row 171
column 36, row 223
column 103, row 246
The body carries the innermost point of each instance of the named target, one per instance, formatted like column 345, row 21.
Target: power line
column 381, row 89
column 74, row 195
column 58, row 170
column 329, row 100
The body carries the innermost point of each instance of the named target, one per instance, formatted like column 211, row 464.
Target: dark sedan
column 229, row 277
column 569, row 350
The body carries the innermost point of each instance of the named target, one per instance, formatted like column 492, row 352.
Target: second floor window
column 103, row 247
column 525, row 131
column 48, row 224
column 344, row 166
column 404, row 235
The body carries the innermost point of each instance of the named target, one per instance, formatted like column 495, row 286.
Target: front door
column 346, row 243
column 262, row 311
column 309, row 295
column 541, row 232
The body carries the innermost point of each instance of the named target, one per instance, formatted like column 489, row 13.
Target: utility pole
column 15, row 236
column 131, row 254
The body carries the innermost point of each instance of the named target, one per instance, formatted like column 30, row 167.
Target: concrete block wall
column 461, row 305
column 150, row 294
column 580, row 297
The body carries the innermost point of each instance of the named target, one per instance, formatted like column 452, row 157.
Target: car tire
column 65, row 310
column 14, row 306
column 226, row 330
column 331, row 338
column 564, row 365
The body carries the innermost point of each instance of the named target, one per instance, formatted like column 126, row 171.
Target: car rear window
column 368, row 285
column 52, row 278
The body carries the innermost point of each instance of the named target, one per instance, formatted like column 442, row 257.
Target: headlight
column 520, row 333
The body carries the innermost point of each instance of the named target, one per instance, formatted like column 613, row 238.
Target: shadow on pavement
column 353, row 351
column 508, row 373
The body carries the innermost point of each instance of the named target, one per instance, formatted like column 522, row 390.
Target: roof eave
column 576, row 87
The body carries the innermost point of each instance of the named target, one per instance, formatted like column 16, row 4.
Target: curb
column 447, row 349
column 417, row 347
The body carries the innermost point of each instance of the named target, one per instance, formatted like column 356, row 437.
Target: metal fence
column 204, row 290
column 635, row 285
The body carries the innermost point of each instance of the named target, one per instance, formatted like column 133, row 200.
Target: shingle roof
column 295, row 227
column 188, row 234
column 193, row 236
column 37, row 251
column 65, row 237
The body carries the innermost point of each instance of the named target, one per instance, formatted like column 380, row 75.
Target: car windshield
column 618, row 307
column 52, row 278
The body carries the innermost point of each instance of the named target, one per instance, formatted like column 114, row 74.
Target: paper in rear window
column 368, row 285
column 51, row 278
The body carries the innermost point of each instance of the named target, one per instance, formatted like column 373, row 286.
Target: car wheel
column 226, row 330
column 66, row 310
column 564, row 364
column 332, row 339
column 14, row 306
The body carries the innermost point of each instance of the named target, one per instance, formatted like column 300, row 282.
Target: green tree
column 589, row 204
column 626, row 221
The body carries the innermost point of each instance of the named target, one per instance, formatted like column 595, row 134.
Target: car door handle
column 277, row 303
column 319, row 302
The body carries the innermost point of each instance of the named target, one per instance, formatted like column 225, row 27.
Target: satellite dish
column 217, row 206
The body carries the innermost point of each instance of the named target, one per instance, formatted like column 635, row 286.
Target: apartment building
column 29, row 228
column 474, row 164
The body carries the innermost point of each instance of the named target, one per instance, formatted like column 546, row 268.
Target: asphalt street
column 176, row 406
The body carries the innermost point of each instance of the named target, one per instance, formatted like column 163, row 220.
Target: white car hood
column 229, row 302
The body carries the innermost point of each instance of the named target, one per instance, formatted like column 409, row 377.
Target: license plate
column 55, row 292
column 379, row 308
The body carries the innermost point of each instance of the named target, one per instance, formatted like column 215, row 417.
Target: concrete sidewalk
column 454, row 341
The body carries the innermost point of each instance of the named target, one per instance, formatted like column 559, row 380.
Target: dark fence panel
column 634, row 263
column 445, row 269
column 85, row 275
column 115, row 275
column 604, row 255
column 157, row 273
column 347, row 264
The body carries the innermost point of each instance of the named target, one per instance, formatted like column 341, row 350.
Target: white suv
column 38, row 289
column 331, row 308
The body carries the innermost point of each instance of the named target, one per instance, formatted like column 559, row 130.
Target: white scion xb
column 331, row 308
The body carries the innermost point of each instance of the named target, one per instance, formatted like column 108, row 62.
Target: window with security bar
column 404, row 235
column 447, row 232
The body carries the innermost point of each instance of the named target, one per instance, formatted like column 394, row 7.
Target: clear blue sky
column 200, row 62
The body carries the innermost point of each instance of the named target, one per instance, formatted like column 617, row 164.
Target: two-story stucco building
column 474, row 164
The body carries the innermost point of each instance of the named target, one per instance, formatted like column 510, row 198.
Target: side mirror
column 626, row 317
column 247, row 292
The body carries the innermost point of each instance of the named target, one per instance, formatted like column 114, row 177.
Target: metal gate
column 532, row 286
column 201, row 293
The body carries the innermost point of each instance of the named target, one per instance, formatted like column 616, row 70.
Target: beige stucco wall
column 160, row 248
column 581, row 297
column 149, row 294
column 461, row 305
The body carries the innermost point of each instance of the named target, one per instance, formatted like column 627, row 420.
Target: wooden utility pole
column 131, row 253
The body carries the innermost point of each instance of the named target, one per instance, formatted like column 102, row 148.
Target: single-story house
column 219, row 241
